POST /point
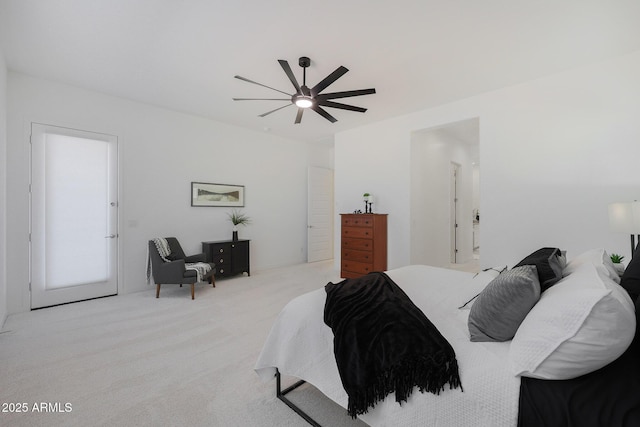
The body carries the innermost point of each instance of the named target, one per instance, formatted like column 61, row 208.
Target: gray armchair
column 173, row 270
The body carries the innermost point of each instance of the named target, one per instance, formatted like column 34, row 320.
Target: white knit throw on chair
column 201, row 268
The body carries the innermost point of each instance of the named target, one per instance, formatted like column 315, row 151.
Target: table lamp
column 624, row 217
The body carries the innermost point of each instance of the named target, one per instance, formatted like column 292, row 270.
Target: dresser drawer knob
column 221, row 250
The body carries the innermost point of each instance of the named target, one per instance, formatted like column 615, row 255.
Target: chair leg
column 158, row 290
column 193, row 292
column 212, row 279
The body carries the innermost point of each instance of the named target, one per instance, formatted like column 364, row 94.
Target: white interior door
column 320, row 214
column 73, row 215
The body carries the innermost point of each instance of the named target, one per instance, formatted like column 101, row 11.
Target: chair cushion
column 196, row 258
column 176, row 249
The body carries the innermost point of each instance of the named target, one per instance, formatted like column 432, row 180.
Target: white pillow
column 580, row 324
column 599, row 258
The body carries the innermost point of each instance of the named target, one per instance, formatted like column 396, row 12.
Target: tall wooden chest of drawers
column 363, row 244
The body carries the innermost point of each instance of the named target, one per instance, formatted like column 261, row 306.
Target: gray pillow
column 503, row 304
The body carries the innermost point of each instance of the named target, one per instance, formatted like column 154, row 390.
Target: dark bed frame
column 280, row 394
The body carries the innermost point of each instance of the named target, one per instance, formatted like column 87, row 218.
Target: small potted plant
column 237, row 218
column 617, row 263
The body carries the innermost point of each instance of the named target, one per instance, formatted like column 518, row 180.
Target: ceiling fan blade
column 339, row 72
column 326, row 103
column 273, row 111
column 261, row 99
column 299, row 115
column 346, row 94
column 287, row 69
column 260, row 84
column 324, row 114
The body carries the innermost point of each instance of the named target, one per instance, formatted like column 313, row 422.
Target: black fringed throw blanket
column 383, row 343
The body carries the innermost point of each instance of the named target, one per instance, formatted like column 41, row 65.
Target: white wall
column 432, row 154
column 160, row 153
column 368, row 160
column 3, row 189
column 554, row 153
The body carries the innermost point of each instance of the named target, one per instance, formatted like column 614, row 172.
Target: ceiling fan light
column 304, row 102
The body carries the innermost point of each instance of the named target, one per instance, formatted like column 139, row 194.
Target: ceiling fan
column 304, row 97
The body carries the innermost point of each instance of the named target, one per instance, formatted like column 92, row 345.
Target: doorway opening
column 445, row 195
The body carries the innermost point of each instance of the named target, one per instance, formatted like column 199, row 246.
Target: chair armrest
column 169, row 272
column 196, row 258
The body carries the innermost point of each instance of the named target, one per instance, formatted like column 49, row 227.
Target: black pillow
column 631, row 277
column 548, row 264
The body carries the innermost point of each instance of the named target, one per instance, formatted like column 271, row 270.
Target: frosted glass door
column 74, row 215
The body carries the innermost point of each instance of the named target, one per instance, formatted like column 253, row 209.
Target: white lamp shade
column 624, row 217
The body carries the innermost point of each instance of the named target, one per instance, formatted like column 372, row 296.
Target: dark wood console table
column 230, row 256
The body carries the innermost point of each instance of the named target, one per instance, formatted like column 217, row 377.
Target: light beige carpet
column 134, row 360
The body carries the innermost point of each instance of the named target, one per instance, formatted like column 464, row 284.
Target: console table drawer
column 223, row 270
column 220, row 259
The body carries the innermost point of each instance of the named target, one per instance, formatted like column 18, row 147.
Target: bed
column 300, row 345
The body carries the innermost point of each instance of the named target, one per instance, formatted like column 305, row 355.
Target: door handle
column 110, row 236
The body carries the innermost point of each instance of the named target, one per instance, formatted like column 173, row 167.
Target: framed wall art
column 209, row 194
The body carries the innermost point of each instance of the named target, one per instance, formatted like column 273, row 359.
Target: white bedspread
column 301, row 345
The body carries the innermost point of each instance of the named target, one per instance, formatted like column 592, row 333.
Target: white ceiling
column 183, row 54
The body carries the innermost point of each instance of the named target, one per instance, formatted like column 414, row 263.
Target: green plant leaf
column 616, row 259
column 238, row 217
